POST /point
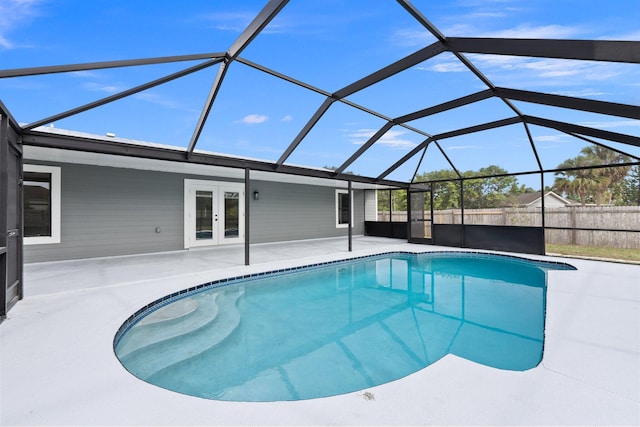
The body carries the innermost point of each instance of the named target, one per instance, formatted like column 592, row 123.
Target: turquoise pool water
column 341, row 327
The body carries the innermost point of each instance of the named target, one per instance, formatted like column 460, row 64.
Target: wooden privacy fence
column 599, row 222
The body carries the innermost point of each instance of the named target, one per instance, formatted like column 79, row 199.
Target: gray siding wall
column 295, row 212
column 110, row 211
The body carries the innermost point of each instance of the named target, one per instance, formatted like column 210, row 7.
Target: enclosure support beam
column 262, row 20
column 4, row 210
column 533, row 145
column 213, row 92
column 350, row 192
column 600, row 144
column 460, row 102
column 305, row 130
column 21, row 72
column 121, row 95
column 405, row 158
column 542, row 193
column 366, row 146
column 590, row 105
column 392, row 69
column 596, row 133
column 256, row 26
column 478, row 128
column 104, row 146
column 247, row 214
column 588, row 50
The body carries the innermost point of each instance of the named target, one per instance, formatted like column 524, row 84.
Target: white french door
column 213, row 213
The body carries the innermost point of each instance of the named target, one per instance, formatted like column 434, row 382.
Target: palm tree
column 577, row 183
column 586, row 181
column 608, row 178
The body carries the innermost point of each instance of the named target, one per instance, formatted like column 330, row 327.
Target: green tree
column 399, row 200
column 610, row 180
column 575, row 184
column 392, row 200
column 491, row 192
column 446, row 194
column 592, row 184
column 631, row 187
column 384, row 200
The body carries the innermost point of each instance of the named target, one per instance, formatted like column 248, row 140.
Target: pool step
column 153, row 357
column 180, row 317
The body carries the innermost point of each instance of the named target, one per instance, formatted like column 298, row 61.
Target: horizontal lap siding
column 294, row 212
column 110, row 211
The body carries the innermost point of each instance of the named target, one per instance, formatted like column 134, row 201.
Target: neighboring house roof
column 529, row 199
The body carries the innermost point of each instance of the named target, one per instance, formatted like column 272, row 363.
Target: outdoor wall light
column 256, row 195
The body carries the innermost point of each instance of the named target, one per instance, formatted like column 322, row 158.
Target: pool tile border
column 168, row 299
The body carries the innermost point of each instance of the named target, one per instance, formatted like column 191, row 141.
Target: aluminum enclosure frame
column 619, row 51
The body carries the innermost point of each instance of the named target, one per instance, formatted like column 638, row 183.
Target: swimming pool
column 339, row 327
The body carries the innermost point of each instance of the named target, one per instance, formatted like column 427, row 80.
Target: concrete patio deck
column 57, row 365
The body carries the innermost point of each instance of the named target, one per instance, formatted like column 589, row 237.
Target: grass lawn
column 595, row 252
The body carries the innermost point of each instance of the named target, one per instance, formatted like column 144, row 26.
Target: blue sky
column 327, row 44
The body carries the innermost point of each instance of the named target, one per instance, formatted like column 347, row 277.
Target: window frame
column 56, row 203
column 337, row 208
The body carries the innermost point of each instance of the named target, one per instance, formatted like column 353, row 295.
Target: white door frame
column 218, row 188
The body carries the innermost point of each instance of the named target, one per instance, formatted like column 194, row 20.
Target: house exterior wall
column 107, row 211
column 295, row 212
column 370, row 205
column 549, row 202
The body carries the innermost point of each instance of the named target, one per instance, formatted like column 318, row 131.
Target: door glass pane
column 231, row 214
column 204, row 215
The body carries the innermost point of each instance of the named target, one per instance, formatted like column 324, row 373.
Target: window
column 342, row 209
column 41, row 192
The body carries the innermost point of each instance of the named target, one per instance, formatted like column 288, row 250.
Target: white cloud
column 412, row 37
column 447, row 66
column 14, row 13
column 85, row 74
column 393, row 138
column 253, row 119
column 526, row 31
column 287, row 118
column 522, row 71
column 99, row 87
column 551, row 138
column 4, row 42
column 583, row 93
column 475, row 3
column 631, row 36
column 360, row 136
column 459, row 29
column 237, row 22
column 612, row 124
column 419, row 37
column 461, row 147
column 154, row 98
column 230, row 21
